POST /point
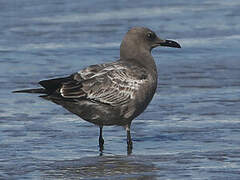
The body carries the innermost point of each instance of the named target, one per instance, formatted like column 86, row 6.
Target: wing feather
column 112, row 84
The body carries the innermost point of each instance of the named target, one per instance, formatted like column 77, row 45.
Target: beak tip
column 171, row 43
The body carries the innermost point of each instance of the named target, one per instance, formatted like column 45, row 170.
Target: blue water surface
column 191, row 129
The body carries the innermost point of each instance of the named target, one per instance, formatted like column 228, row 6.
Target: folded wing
column 109, row 84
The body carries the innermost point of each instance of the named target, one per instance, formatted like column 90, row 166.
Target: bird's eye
column 151, row 35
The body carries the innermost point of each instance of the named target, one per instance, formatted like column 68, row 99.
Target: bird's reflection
column 123, row 167
column 101, row 150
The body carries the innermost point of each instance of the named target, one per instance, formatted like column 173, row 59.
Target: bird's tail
column 38, row 91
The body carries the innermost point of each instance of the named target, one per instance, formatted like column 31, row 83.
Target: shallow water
column 189, row 131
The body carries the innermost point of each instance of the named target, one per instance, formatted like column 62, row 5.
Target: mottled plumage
column 112, row 93
column 112, row 84
column 111, row 90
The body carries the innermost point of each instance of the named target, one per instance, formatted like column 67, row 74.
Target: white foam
column 186, row 42
column 228, row 3
column 191, row 42
column 121, row 14
column 53, row 46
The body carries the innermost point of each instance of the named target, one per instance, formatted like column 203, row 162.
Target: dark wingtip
column 38, row 91
column 20, row 91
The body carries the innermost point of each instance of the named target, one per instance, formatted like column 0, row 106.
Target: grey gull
column 111, row 93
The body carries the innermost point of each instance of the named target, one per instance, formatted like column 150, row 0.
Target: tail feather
column 38, row 91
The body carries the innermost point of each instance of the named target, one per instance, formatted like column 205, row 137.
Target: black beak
column 168, row 43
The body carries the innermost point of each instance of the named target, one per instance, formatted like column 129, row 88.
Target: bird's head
column 139, row 41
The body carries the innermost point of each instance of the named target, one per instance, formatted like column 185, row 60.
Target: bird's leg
column 101, row 140
column 129, row 140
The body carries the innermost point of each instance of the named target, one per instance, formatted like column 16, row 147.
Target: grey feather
column 113, row 84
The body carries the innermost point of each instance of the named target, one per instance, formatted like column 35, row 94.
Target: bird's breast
column 144, row 95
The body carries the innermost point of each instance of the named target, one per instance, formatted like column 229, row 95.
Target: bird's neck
column 145, row 59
